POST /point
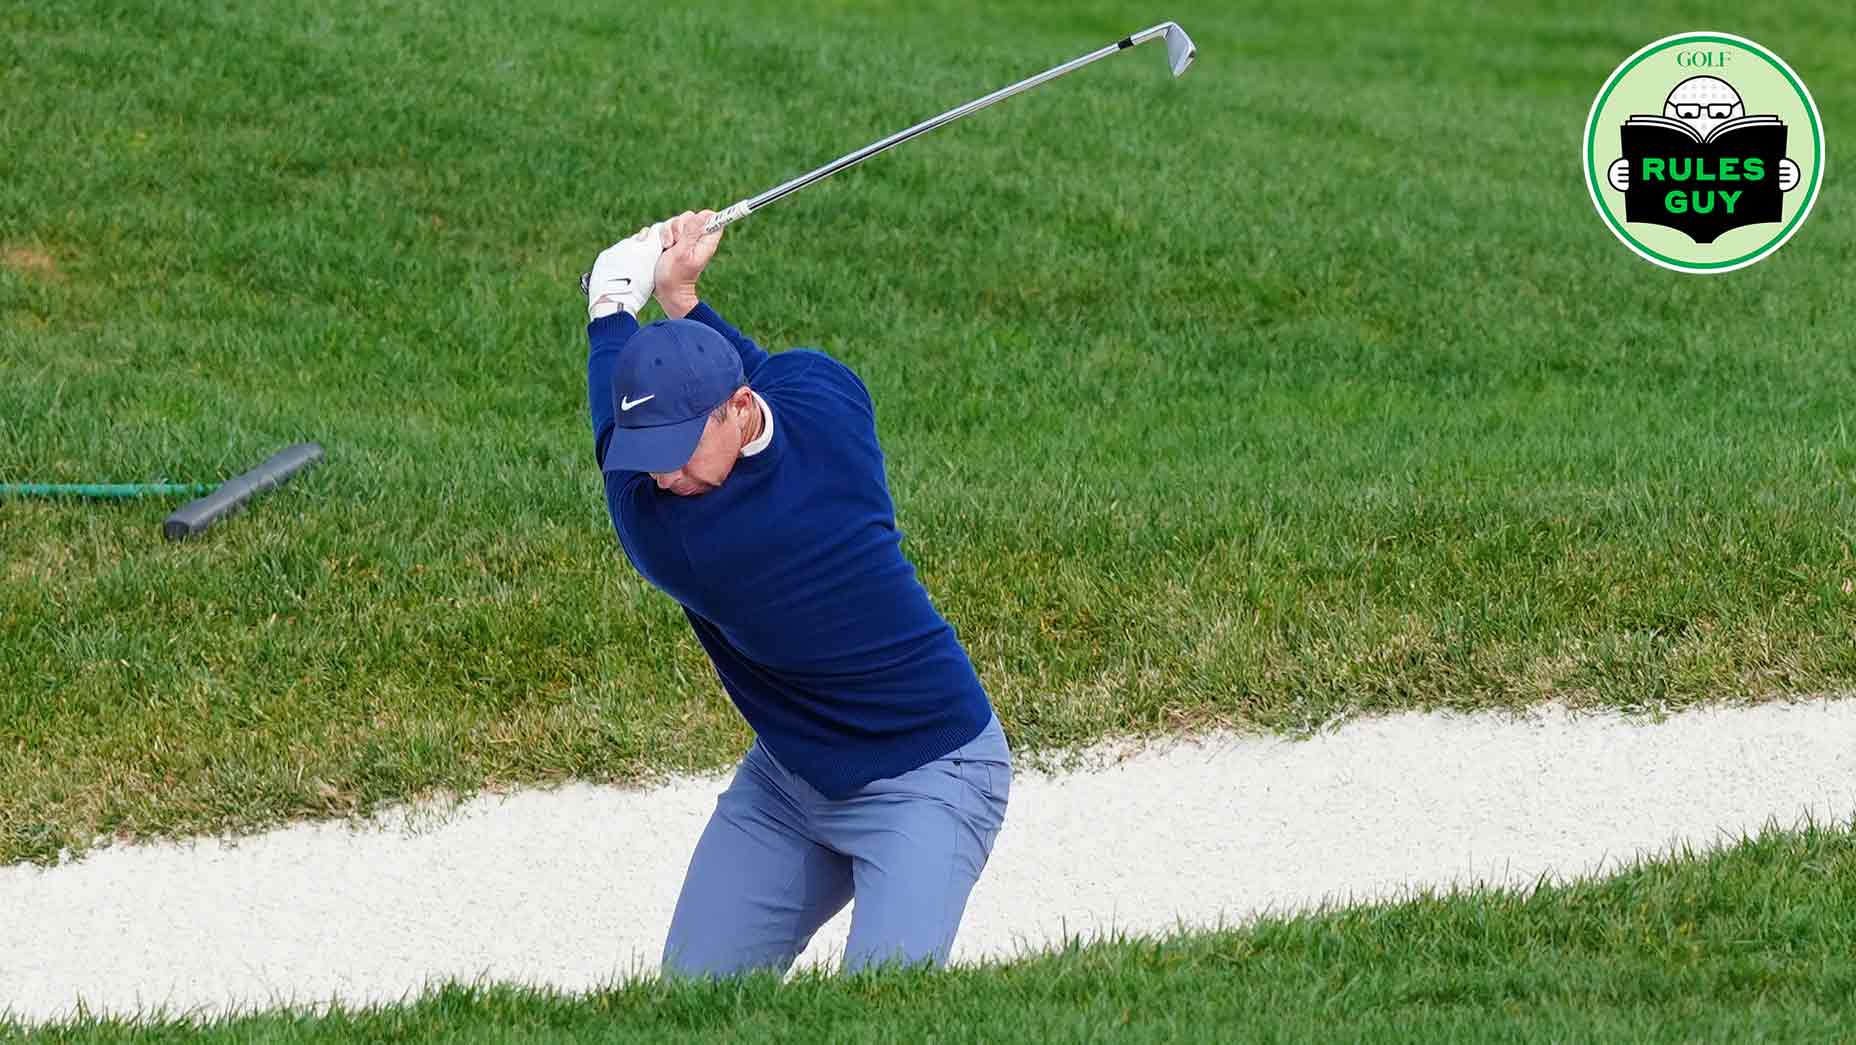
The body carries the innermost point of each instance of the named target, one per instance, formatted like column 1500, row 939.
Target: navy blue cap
column 670, row 376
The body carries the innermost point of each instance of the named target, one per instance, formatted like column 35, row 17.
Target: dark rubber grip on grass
column 194, row 517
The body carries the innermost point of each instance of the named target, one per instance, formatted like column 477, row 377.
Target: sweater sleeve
column 605, row 336
column 752, row 355
column 653, row 544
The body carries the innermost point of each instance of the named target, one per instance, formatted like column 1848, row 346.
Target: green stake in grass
column 195, row 516
column 108, row 491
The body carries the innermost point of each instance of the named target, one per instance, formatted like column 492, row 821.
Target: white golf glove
column 622, row 274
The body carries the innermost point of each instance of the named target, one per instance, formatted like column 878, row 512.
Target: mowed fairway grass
column 1751, row 943
column 1308, row 386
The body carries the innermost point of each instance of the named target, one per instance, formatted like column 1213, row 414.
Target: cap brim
column 664, row 448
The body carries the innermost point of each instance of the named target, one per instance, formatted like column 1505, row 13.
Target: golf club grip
column 195, row 517
column 710, row 227
column 727, row 217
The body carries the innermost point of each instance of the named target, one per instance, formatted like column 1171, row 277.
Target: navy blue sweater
column 793, row 577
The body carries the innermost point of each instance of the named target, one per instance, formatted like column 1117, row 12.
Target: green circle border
column 1817, row 152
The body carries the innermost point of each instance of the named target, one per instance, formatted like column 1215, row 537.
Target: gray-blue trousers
column 778, row 859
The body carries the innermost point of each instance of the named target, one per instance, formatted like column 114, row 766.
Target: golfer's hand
column 687, row 251
column 622, row 276
column 1788, row 175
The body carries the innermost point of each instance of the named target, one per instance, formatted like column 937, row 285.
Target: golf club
column 1179, row 54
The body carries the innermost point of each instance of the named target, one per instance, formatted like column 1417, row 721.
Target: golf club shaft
column 748, row 206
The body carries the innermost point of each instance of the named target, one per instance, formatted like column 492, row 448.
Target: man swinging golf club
column 749, row 487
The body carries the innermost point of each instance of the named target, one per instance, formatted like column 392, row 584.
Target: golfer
column 749, row 487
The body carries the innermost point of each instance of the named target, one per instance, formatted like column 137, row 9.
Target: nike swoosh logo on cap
column 627, row 404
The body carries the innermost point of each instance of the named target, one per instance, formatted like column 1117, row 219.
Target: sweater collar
column 765, row 437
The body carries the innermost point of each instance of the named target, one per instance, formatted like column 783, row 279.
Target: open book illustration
column 1701, row 186
column 1714, row 135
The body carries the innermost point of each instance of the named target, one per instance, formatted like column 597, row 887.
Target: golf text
column 1701, row 201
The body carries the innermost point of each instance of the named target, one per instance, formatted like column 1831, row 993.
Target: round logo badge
column 1704, row 152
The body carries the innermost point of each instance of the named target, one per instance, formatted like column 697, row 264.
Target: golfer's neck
column 760, row 423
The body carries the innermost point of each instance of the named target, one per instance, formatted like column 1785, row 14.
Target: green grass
column 1750, row 942
column 1308, row 386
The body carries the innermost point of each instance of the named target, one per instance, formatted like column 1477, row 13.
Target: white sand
column 574, row 888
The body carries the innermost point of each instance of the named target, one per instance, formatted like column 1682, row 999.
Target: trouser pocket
column 986, row 790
